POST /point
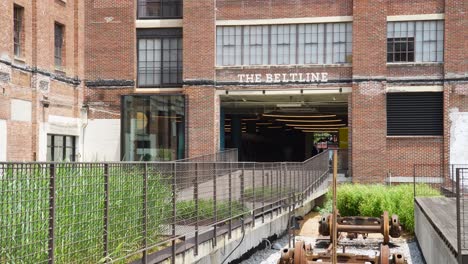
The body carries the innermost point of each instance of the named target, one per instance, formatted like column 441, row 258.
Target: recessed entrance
column 283, row 127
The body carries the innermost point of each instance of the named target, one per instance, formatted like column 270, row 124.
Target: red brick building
column 41, row 79
column 170, row 78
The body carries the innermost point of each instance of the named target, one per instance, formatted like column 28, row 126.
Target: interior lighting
column 307, row 125
column 309, row 121
column 316, row 128
column 319, row 131
column 264, row 124
column 298, row 116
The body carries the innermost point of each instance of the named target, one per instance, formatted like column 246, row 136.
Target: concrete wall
column 458, row 137
column 434, row 249
column 209, row 254
column 101, row 139
column 3, row 140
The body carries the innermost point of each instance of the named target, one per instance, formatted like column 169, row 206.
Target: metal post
column 414, row 181
column 459, row 236
column 278, row 195
column 106, row 212
column 145, row 213
column 242, row 193
column 253, row 188
column 215, row 211
column 174, row 212
column 335, row 212
column 195, row 198
column 230, row 201
column 51, row 212
column 263, row 193
column 271, row 190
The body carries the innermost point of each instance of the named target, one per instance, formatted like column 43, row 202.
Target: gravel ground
column 369, row 246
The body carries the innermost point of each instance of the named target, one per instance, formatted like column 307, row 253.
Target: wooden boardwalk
column 441, row 212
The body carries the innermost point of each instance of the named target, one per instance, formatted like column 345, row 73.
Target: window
column 415, row 41
column 159, row 8
column 153, row 127
column 18, row 28
column 415, row 114
column 255, row 45
column 329, row 43
column 58, row 44
column 61, row 148
column 160, row 58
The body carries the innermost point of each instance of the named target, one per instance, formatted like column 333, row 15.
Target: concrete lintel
column 283, row 21
column 416, row 17
column 159, row 23
column 408, row 89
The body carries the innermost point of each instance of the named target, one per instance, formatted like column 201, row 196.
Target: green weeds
column 372, row 200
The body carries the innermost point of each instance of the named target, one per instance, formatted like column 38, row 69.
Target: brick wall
column 110, row 40
column 202, row 120
column 20, row 79
column 246, row 9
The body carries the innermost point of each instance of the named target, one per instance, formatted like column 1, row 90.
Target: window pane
column 160, row 61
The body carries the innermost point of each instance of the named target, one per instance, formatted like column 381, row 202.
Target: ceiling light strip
column 319, row 125
column 298, row 116
column 309, row 121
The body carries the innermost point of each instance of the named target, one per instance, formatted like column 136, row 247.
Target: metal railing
column 227, row 155
column 449, row 182
column 140, row 211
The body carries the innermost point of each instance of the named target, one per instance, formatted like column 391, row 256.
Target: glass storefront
column 153, row 127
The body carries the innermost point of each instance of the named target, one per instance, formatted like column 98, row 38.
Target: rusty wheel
column 386, row 228
column 384, row 254
column 300, row 253
column 398, row 259
column 395, row 228
column 324, row 226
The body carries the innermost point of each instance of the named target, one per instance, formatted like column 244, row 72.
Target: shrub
column 372, row 200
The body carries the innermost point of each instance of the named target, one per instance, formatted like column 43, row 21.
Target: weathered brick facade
column 108, row 69
column 32, row 90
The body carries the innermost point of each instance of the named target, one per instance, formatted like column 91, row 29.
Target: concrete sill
column 412, row 64
column 295, row 66
column 414, row 137
column 60, row 71
column 20, row 60
column 158, row 90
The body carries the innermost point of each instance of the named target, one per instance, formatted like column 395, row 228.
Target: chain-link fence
column 114, row 212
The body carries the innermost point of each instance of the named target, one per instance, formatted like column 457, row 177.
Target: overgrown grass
column 268, row 193
column 186, row 210
column 79, row 212
column 372, row 200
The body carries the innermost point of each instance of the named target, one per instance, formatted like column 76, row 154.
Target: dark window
column 400, row 49
column 415, row 114
column 60, row 148
column 58, row 43
column 18, row 34
column 415, row 41
column 159, row 8
column 160, row 58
